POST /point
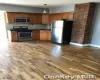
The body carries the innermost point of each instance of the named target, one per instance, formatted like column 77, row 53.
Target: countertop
column 32, row 29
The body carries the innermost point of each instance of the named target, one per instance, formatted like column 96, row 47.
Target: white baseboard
column 77, row 44
column 82, row 45
column 86, row 44
column 92, row 45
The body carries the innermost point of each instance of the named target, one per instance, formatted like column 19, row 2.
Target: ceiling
column 39, row 3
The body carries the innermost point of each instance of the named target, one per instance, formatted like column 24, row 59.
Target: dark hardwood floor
column 33, row 60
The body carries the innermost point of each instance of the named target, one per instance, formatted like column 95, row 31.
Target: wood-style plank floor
column 33, row 60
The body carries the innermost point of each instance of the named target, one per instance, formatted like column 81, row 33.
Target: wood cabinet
column 32, row 18
column 49, row 35
column 45, row 18
column 45, row 35
column 9, row 17
column 70, row 15
column 52, row 17
column 13, row 36
column 59, row 16
column 35, row 18
column 36, row 35
column 64, row 15
column 38, row 18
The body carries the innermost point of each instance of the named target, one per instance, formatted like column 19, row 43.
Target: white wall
column 14, row 8
column 96, row 27
column 67, row 8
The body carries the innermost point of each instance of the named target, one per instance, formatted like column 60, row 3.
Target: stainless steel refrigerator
column 61, row 31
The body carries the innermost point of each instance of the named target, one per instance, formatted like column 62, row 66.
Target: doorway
column 3, row 33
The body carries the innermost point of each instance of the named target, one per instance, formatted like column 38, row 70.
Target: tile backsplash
column 30, row 26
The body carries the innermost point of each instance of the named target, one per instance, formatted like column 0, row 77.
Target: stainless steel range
column 23, row 33
column 25, row 36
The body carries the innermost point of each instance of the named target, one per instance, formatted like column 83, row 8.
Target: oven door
column 25, row 35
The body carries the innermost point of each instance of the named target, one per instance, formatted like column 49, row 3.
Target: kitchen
column 50, row 41
column 24, row 21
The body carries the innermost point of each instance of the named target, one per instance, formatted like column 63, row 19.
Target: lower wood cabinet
column 49, row 35
column 36, row 35
column 13, row 36
column 44, row 35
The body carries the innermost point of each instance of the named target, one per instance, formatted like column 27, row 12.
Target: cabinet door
column 64, row 15
column 54, row 17
column 57, row 16
column 14, row 36
column 45, row 18
column 35, row 18
column 70, row 15
column 39, row 18
column 43, row 35
column 36, row 35
column 32, row 18
column 10, row 16
column 49, row 35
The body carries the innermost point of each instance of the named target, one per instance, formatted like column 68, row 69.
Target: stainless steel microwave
column 21, row 20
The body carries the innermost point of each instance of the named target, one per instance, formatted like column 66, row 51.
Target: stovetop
column 20, row 29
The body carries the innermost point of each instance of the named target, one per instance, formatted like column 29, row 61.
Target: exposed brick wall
column 88, row 29
column 82, row 23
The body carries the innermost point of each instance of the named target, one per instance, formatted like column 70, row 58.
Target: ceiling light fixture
column 45, row 8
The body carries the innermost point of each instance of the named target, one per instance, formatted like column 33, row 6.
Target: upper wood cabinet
column 59, row 16
column 38, row 18
column 52, row 17
column 45, row 18
column 70, row 15
column 64, row 15
column 9, row 17
column 35, row 18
